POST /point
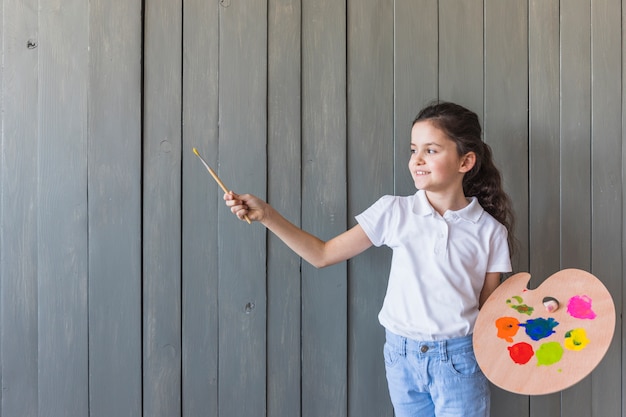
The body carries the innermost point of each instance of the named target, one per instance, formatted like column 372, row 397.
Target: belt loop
column 404, row 343
column 443, row 350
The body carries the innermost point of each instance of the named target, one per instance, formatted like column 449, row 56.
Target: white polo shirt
column 438, row 266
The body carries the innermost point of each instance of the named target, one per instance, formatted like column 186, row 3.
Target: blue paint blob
column 540, row 328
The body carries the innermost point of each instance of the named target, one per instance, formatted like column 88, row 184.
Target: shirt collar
column 471, row 212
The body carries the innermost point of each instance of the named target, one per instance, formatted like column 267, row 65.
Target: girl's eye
column 430, row 151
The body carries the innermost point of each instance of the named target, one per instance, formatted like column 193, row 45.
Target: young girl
column 450, row 245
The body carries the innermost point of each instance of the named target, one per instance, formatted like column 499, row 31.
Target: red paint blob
column 521, row 352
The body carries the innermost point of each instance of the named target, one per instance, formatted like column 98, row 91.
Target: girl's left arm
column 492, row 280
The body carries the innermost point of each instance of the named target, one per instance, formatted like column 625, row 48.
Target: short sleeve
column 499, row 256
column 375, row 220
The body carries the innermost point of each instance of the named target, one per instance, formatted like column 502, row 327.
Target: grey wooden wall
column 128, row 289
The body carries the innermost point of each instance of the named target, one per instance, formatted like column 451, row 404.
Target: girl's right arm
column 312, row 249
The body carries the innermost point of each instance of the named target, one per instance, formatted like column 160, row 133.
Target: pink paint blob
column 580, row 307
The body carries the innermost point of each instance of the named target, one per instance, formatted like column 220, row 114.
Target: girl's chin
column 420, row 184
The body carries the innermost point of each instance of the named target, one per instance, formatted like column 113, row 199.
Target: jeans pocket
column 464, row 363
column 391, row 355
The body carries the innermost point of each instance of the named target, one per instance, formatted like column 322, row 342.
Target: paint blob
column 507, row 328
column 540, row 328
column 549, row 353
column 576, row 339
column 521, row 352
column 580, row 307
column 519, row 307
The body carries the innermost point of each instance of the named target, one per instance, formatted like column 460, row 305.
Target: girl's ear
column 467, row 162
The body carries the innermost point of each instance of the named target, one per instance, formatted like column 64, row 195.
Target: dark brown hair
column 483, row 181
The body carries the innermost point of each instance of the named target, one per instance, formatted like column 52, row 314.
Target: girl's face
column 435, row 164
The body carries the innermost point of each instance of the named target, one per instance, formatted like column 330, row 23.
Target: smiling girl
column 450, row 242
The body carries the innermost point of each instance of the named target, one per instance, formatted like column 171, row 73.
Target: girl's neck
column 447, row 202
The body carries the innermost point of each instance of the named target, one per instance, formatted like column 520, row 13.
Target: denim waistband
column 440, row 348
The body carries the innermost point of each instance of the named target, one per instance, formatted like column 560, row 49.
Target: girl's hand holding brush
column 247, row 205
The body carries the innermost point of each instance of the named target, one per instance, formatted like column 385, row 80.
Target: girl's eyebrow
column 427, row 144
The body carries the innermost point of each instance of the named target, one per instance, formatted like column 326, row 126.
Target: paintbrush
column 216, row 178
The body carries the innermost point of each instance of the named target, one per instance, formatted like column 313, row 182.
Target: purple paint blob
column 580, row 307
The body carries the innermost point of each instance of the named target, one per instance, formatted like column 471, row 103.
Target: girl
column 450, row 246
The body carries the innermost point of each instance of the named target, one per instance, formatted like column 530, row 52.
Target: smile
column 422, row 172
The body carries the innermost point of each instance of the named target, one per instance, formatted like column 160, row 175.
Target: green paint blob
column 521, row 308
column 549, row 353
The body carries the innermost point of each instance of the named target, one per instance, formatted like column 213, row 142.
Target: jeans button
column 424, row 349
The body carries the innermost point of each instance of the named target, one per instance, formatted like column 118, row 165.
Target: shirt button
column 424, row 349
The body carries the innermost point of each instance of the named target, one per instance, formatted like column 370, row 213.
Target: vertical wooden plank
column 162, row 209
column 606, row 164
column 324, row 292
column 544, row 110
column 62, row 209
column 505, row 123
column 115, row 208
column 416, row 66
column 620, row 307
column 544, row 68
column 19, row 122
column 242, row 156
column 285, row 194
column 371, row 139
column 2, row 195
column 201, row 202
column 461, row 53
column 505, row 128
column 576, row 162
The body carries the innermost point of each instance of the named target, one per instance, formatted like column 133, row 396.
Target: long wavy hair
column 483, row 181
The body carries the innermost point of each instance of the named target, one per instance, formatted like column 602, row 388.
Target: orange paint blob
column 521, row 352
column 507, row 328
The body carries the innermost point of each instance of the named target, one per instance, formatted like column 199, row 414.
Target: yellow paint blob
column 576, row 339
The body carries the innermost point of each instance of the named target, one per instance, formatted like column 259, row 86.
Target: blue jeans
column 440, row 378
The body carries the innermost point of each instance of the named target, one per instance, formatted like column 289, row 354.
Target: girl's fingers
column 239, row 210
column 232, row 199
column 239, row 204
column 241, row 214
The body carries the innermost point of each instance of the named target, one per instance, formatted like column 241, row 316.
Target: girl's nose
column 417, row 159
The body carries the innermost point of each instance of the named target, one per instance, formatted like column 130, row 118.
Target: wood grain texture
column 242, row 154
column 115, row 209
column 505, row 129
column 416, row 77
column 576, row 162
column 544, row 143
column 201, row 205
column 118, row 256
column 370, row 175
column 324, row 211
column 544, row 157
column 606, row 193
column 461, row 53
column 19, row 123
column 62, row 239
column 162, row 209
column 505, row 123
column 285, row 194
column 526, row 349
